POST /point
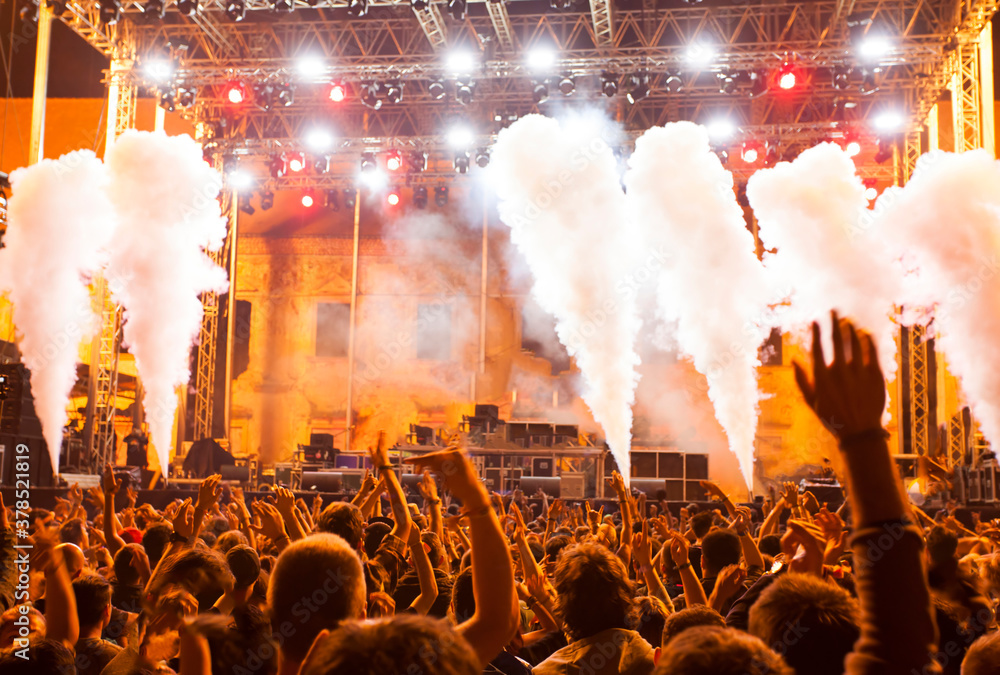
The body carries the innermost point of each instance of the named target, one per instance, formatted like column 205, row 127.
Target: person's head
column 941, row 546
column 594, row 593
column 32, row 628
column 374, row 534
column 74, row 531
column 983, row 656
column 403, row 643
column 678, row 622
column 707, row 650
column 45, row 657
column 718, row 549
column 770, row 544
column 75, row 560
column 125, row 573
column 93, row 601
column 344, row 520
column 463, row 602
column 228, row 540
column 316, row 584
column 202, row 572
column 649, row 618
column 812, row 622
column 701, row 523
column 244, row 564
column 155, row 540
column 435, row 553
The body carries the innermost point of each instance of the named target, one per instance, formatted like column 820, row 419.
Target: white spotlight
column 460, row 138
column 461, row 62
column 311, row 67
column 871, row 193
column 319, row 140
column 240, row 180
column 889, row 121
column 700, row 53
column 158, row 70
column 720, row 130
column 373, row 180
column 853, row 149
column 541, row 58
column 874, row 46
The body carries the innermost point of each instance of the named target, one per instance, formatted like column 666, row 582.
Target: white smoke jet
column 60, row 220
column 945, row 227
column 559, row 192
column 713, row 286
column 165, row 195
column 809, row 210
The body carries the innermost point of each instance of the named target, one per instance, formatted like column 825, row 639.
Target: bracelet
column 384, row 467
column 868, row 435
column 177, row 538
column 684, row 566
column 433, row 501
column 478, row 513
column 531, row 602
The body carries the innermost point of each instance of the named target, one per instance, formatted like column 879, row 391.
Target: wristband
column 178, row 538
column 384, row 467
column 684, row 566
column 531, row 602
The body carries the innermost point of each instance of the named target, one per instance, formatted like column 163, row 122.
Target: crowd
column 466, row 582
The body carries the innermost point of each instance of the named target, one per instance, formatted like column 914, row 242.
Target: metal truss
column 918, row 384
column 432, row 23
column 958, row 442
column 208, row 339
column 501, row 24
column 966, row 98
column 106, row 389
column 601, row 15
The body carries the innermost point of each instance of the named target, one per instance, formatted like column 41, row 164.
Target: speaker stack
column 19, row 425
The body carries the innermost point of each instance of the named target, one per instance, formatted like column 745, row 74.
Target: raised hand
column 183, row 520
column 848, row 395
column 380, row 453
column 269, row 521
column 428, row 488
column 679, row 549
column 743, row 519
column 458, row 473
column 803, row 545
column 208, row 493
column 790, row 493
column 111, row 484
column 730, row 581
column 642, row 546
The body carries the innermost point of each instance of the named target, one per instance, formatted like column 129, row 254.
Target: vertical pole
column 483, row 288
column 353, row 321
column 230, row 313
column 159, row 118
column 986, row 89
column 40, row 92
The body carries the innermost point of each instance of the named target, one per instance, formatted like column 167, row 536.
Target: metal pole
column 230, row 314
column 483, row 288
column 353, row 322
column 159, row 118
column 40, row 92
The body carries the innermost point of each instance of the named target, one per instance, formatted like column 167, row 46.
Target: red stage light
column 393, row 198
column 296, row 161
column 394, row 162
column 787, row 80
column 308, row 200
column 236, row 92
column 338, row 92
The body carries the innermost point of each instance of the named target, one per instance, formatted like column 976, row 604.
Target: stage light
column 266, row 200
column 420, row 197
column 461, row 62
column 370, row 95
column 868, row 84
column 295, row 161
column 240, row 180
column 457, row 9
column 871, row 193
column 338, row 92
column 460, row 138
column 368, row 162
column 462, row 162
column 750, row 152
column 308, row 200
column 276, row 165
column 464, row 89
column 236, row 92
column 541, row 58
column 186, row 96
column 311, row 67
column 154, row 9
column 852, row 148
column 700, row 53
column 394, row 160
column 333, row 200
column 236, row 10
column 758, row 84
column 673, row 82
column 787, row 79
column 609, row 84
column 188, row 7
column 417, row 161
column 374, row 180
column 567, row 85
column 357, row 7
column 539, row 91
column 419, row 5
column 319, row 140
column 320, row 164
column 167, row 100
column 441, row 196
column 885, row 151
column 720, row 129
column 873, row 47
column 482, row 158
column 110, row 12
column 284, row 94
column 638, row 87
column 727, row 83
column 841, row 77
column 393, row 91
column 560, row 5
column 888, row 121
column 350, row 198
column 436, row 89
column 246, row 207
column 283, row 6
column 392, row 199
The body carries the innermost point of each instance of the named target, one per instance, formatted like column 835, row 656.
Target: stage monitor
column 331, row 481
column 531, row 484
column 231, row 472
column 541, row 466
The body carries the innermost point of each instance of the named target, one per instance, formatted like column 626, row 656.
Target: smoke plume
column 559, row 192
column 60, row 221
column 809, row 211
column 712, row 285
column 945, row 227
column 165, row 195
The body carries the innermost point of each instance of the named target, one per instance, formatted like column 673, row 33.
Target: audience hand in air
column 458, row 473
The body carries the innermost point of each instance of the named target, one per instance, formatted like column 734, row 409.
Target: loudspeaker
column 283, row 474
column 644, row 465
column 491, row 411
column 232, row 472
column 17, row 407
column 675, row 490
column 572, row 485
column 323, row 440
column 541, row 466
column 331, row 481
column 241, row 338
column 649, row 485
column 493, row 479
column 671, row 465
column 694, row 492
column 697, row 467
column 16, row 450
column 549, row 485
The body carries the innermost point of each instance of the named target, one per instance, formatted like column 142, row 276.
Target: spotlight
column 236, row 10
column 247, row 208
column 394, row 160
column 284, row 95
column 357, row 7
column 460, row 138
column 333, row 200
column 186, row 96
column 154, row 9
column 885, row 150
column 420, row 197
column 266, row 200
column 462, row 162
column 609, row 84
column 311, row 68
column 239, row 179
column 283, row 6
column 727, row 83
column 787, row 79
column 868, row 84
column 560, row 4
column 567, row 85
column 188, row 7
column 841, row 77
column 700, row 53
column 721, row 129
column 888, row 121
column 110, row 12
column 441, row 196
column 264, row 95
column 167, row 100
column 853, row 149
column 295, row 161
column 461, row 62
column 539, row 91
column 638, row 87
column 419, row 5
column 158, row 70
column 417, row 161
column 871, row 189
column 758, row 84
column 368, row 162
column 350, row 198
column 873, row 47
column 369, row 95
column 457, row 9
column 338, row 92
column 393, row 91
column 482, row 158
column 541, row 58
column 751, row 152
column 392, row 199
column 319, row 140
column 308, row 200
column 236, row 92
column 276, row 165
column 373, row 180
column 320, row 164
column 464, row 90
column 673, row 82
column 436, row 90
